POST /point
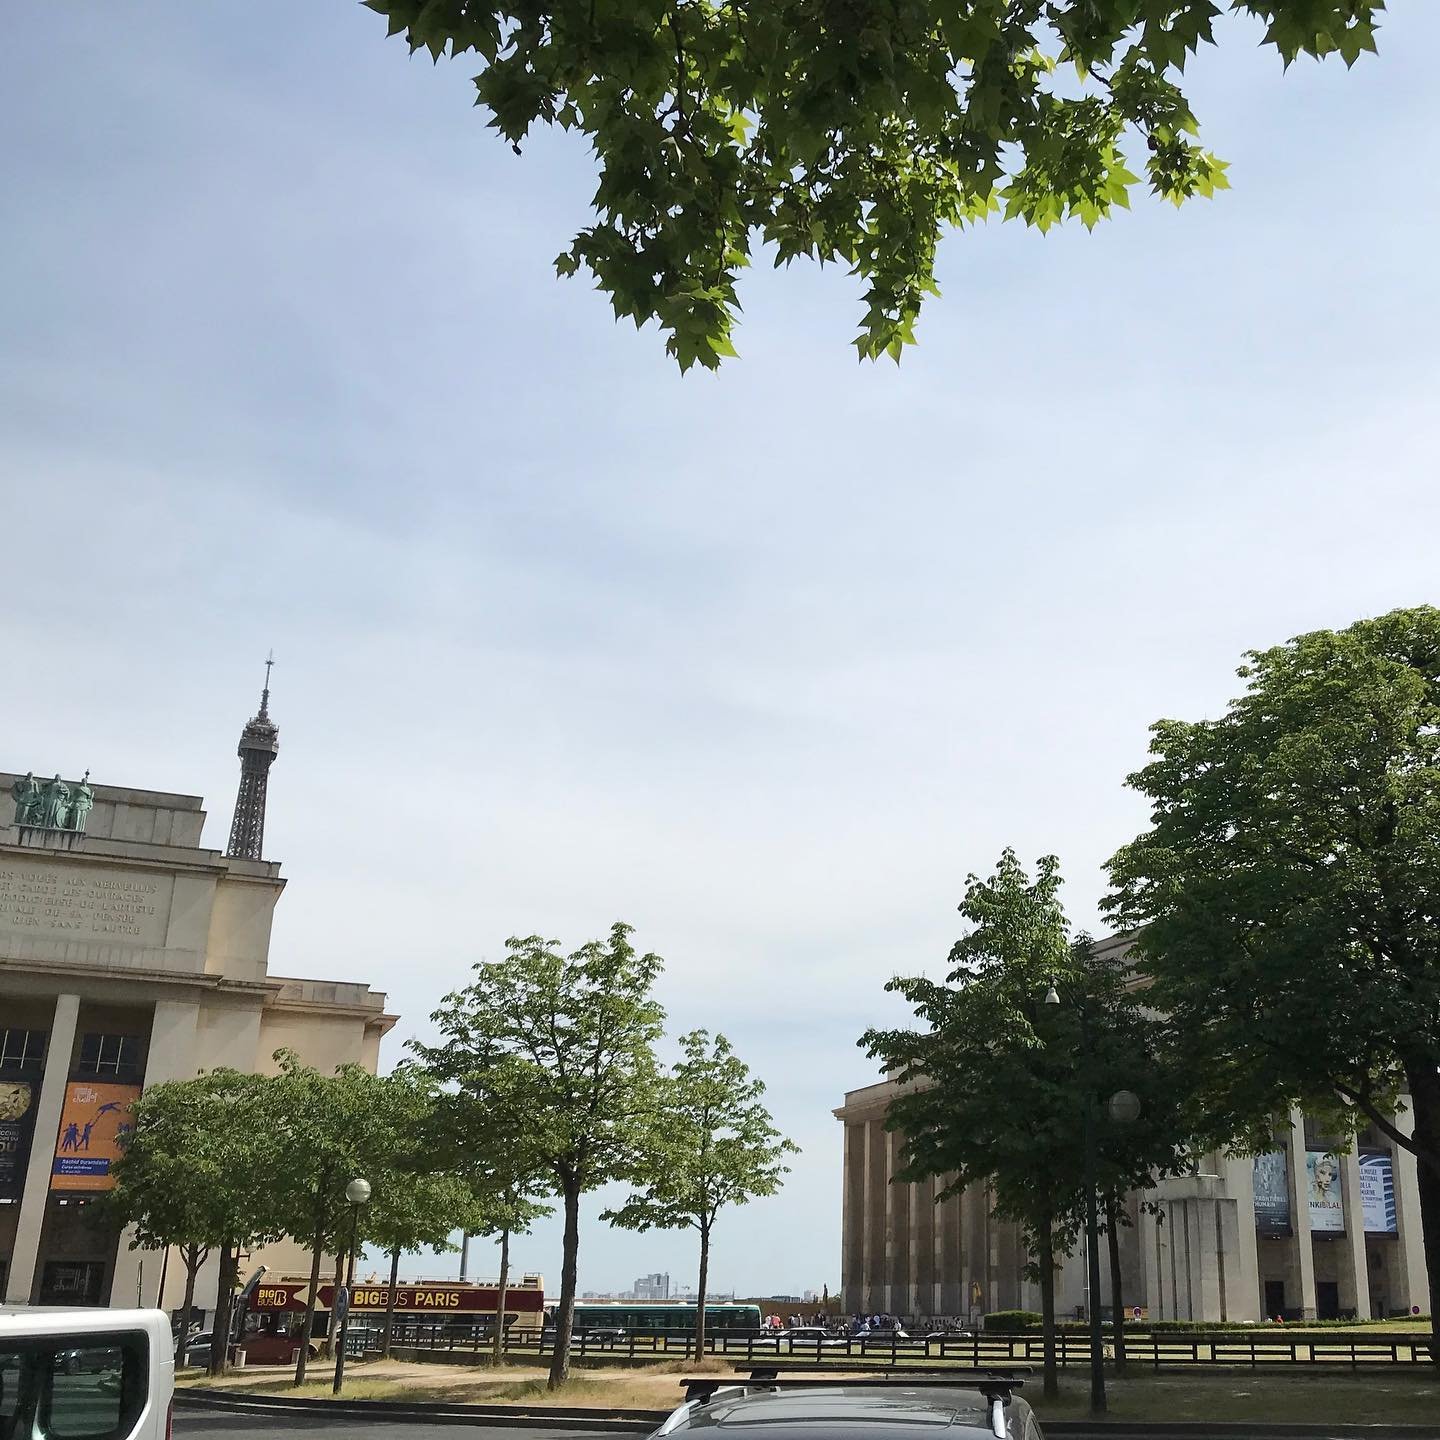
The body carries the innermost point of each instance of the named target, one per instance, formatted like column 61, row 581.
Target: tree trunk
column 332, row 1332
column 1046, row 1257
column 317, row 1246
column 701, row 1288
column 497, row 1341
column 194, row 1258
column 1425, row 1107
column 390, row 1301
column 1117, row 1300
column 565, row 1310
column 224, row 1311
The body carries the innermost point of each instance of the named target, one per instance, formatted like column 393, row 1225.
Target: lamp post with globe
column 357, row 1193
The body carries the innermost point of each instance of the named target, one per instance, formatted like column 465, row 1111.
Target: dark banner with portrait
column 1272, row 1194
column 17, row 1128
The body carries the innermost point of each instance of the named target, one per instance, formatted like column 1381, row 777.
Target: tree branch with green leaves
column 849, row 132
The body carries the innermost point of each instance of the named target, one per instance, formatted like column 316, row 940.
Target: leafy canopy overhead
column 849, row 131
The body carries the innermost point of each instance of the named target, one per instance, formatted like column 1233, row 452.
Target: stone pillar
column 1354, row 1260
column 917, row 1254
column 171, row 1056
column 1300, row 1216
column 897, row 1228
column 1244, row 1299
column 1151, row 1298
column 861, row 1299
column 20, row 1284
column 1412, row 1280
column 877, row 1204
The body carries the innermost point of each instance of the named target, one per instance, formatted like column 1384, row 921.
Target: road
column 226, row 1425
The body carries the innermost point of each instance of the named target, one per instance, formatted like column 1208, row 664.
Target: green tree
column 415, row 1211
column 326, row 1131
column 1284, row 897
column 853, row 134
column 713, row 1145
column 187, row 1178
column 487, row 1145
column 566, row 1041
column 995, row 1079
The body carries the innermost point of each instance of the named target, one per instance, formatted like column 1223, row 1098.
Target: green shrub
column 1011, row 1320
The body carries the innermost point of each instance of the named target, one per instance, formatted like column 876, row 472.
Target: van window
column 82, row 1387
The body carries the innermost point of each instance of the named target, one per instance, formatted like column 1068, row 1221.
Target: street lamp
column 357, row 1194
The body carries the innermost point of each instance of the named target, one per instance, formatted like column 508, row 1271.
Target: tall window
column 110, row 1057
column 22, row 1049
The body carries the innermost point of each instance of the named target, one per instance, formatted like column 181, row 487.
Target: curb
column 1075, row 1429
column 558, row 1417
column 641, row 1422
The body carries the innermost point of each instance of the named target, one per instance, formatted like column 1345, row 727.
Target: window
column 117, row 1055
column 78, row 1387
column 22, row 1049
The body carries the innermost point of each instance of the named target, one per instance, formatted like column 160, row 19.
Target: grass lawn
column 1396, row 1396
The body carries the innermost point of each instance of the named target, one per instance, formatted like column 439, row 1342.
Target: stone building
column 132, row 954
column 1320, row 1227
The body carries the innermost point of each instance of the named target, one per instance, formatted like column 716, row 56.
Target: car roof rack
column 996, row 1384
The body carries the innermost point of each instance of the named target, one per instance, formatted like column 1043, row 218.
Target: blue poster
column 1377, row 1193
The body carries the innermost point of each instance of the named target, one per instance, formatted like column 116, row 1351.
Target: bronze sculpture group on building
column 55, row 805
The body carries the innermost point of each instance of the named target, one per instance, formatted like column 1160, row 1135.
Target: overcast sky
column 762, row 663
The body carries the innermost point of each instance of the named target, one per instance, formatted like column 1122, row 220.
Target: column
column 171, row 1056
column 917, row 1252
column 1354, row 1234
column 1244, row 1299
column 860, row 1301
column 897, row 1218
column 1412, row 1281
column 20, row 1285
column 1300, row 1216
column 852, row 1257
column 1150, row 1264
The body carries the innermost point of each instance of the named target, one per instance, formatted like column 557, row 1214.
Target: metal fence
column 1253, row 1349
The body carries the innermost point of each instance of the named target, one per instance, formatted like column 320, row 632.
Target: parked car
column 889, row 1409
column 79, row 1372
column 197, row 1349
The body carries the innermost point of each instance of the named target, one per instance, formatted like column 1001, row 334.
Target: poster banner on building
column 1272, row 1194
column 1322, row 1174
column 17, row 1125
column 1377, row 1193
column 93, row 1124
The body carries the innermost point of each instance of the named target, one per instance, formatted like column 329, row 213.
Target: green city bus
column 662, row 1318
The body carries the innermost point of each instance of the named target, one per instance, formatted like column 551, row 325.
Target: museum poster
column 1377, row 1193
column 93, row 1126
column 1272, row 1194
column 17, row 1125
column 1322, row 1175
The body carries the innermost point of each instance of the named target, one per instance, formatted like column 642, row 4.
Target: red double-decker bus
column 275, row 1312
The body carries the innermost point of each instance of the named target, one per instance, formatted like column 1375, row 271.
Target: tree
column 713, row 1146
column 997, row 1080
column 1284, row 899
column 187, row 1178
column 567, row 1042
column 848, row 133
column 327, row 1130
column 488, row 1147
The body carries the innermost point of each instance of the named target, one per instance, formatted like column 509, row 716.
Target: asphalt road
column 226, row 1425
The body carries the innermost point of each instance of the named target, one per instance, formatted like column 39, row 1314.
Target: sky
column 763, row 663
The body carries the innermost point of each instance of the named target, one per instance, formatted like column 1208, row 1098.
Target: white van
column 72, row 1374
